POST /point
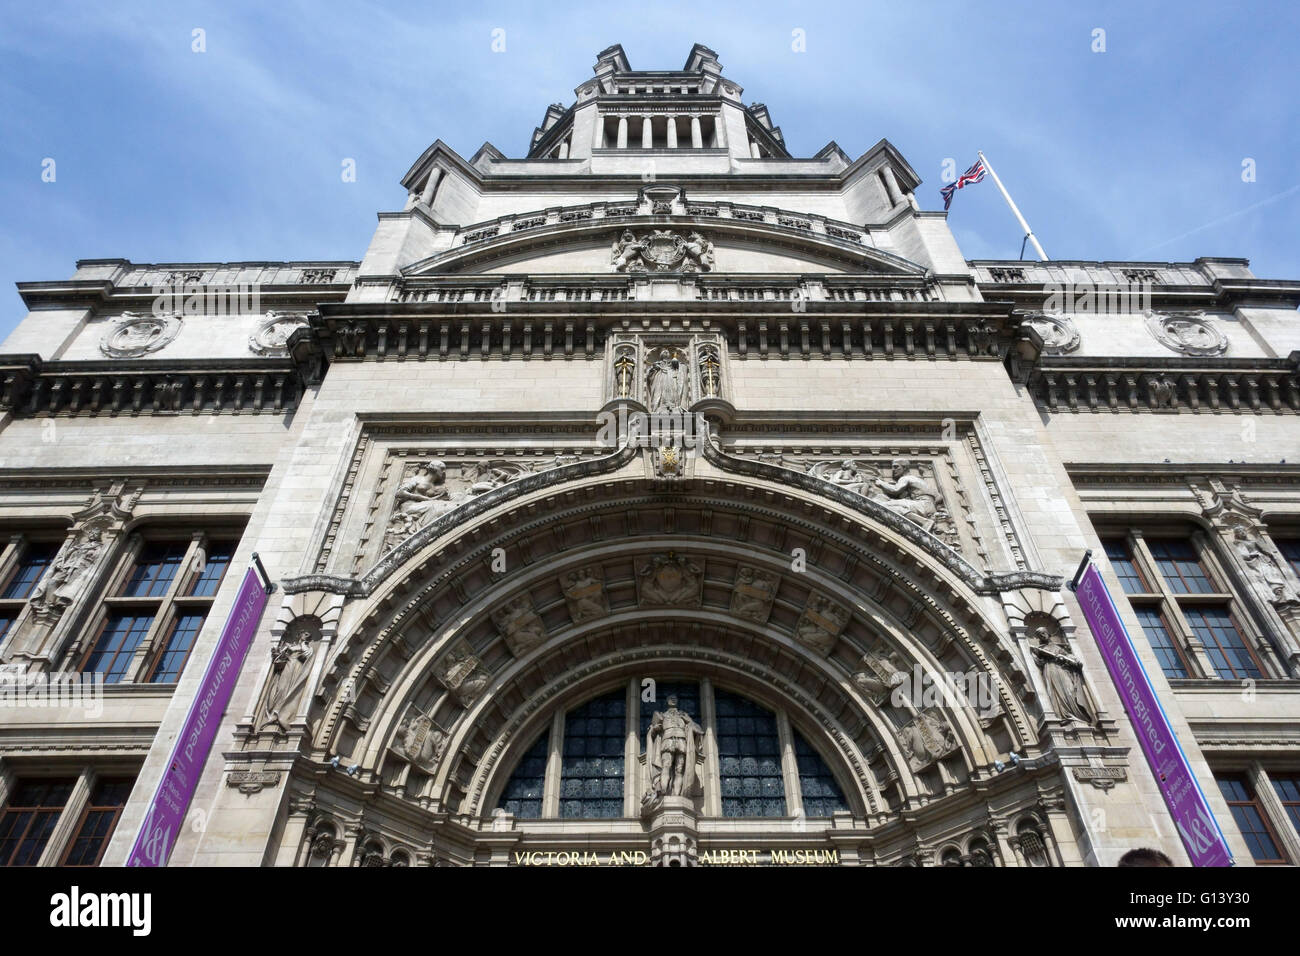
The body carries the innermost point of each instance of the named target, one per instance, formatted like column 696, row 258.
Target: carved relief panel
column 666, row 372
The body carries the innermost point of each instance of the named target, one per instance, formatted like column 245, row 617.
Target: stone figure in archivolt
column 672, row 746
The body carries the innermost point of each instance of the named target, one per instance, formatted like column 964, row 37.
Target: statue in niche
column 1262, row 566
column 671, row 746
column 906, row 493
column 419, row 499
column 667, row 388
column 67, row 574
column 927, row 738
column 1063, row 675
column 290, row 664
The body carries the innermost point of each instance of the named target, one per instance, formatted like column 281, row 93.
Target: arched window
column 762, row 765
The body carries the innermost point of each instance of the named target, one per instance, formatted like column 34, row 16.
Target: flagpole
column 1029, row 233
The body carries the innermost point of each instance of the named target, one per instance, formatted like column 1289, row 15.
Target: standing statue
column 1263, row 567
column 67, row 573
column 671, row 746
column 666, row 385
column 1063, row 675
column 289, row 666
column 906, row 493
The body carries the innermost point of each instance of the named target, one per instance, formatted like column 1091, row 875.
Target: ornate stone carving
column 1163, row 390
column 290, row 669
column 820, row 624
column 671, row 580
column 673, row 745
column 878, row 673
column 1063, row 676
column 69, row 572
column 1059, row 334
column 584, row 592
column 1263, row 567
column 753, row 594
column 520, row 626
column 667, row 381
column 710, row 369
column 662, row 251
column 420, row 740
column 272, row 335
column 926, row 738
column 462, row 673
column 1103, row 778
column 1190, row 333
column 426, row 493
column 135, row 334
column 906, row 493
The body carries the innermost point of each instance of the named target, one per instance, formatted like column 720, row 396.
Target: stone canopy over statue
column 673, row 745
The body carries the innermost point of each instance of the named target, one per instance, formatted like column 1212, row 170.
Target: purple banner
column 166, row 813
column 1196, row 824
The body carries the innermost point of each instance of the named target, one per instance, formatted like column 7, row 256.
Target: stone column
column 431, row 186
column 622, row 132
column 712, row 768
column 647, row 134
column 598, row 132
column 564, row 149
column 632, row 785
column 672, row 132
column 891, row 185
column 1272, row 805
column 65, row 826
column 753, row 149
column 551, row 783
column 697, row 137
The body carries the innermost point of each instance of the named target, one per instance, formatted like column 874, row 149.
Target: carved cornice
column 30, row 386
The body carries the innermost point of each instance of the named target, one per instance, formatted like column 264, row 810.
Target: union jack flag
column 972, row 175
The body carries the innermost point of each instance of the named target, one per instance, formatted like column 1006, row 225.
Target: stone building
column 656, row 411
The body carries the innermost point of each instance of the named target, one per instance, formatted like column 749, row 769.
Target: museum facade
column 655, row 498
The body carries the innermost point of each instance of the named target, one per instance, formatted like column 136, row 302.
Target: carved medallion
column 273, row 333
column 669, row 580
column 878, row 673
column 134, row 335
column 520, row 626
column 462, row 673
column 1059, row 334
column 420, row 740
column 584, row 592
column 1190, row 333
column 820, row 624
column 754, row 593
column 661, row 251
column 927, row 738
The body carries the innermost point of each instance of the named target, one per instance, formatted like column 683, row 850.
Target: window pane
column 1224, row 645
column 154, row 569
column 821, row 794
column 1290, row 548
column 749, row 755
column 1250, row 819
column 177, row 651
column 1180, row 566
column 591, row 771
column 29, row 819
column 111, row 655
column 97, row 823
column 1171, row 662
column 1288, row 791
column 6, row 621
column 1121, row 560
column 523, row 793
column 30, row 568
column 214, row 568
column 688, row 701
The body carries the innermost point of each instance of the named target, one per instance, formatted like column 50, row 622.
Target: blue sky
column 164, row 154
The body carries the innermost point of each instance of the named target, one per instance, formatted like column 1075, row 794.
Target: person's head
column 900, row 467
column 672, row 701
column 437, row 468
column 1144, row 856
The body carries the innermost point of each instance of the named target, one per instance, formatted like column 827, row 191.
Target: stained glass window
column 749, row 756
column 523, row 793
column 591, row 772
column 688, row 702
column 821, row 794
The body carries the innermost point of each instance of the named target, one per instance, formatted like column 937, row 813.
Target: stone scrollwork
column 1058, row 332
column 1190, row 333
column 669, row 580
column 820, row 624
column 662, row 251
column 272, row 335
column 134, row 335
